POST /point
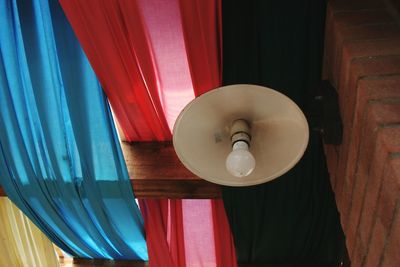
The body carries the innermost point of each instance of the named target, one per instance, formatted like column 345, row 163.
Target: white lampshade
column 202, row 133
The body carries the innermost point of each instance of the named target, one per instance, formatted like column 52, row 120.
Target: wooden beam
column 175, row 189
column 156, row 172
column 287, row 265
column 80, row 262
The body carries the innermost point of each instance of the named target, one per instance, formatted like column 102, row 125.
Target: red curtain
column 152, row 57
column 188, row 233
column 202, row 25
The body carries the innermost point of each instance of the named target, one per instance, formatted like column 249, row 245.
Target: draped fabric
column 292, row 219
column 117, row 42
column 60, row 160
column 201, row 22
column 152, row 57
column 145, row 53
column 175, row 239
column 21, row 242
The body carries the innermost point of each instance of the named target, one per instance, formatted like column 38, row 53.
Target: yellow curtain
column 21, row 242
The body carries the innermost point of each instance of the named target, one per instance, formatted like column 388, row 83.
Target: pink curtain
column 188, row 233
column 153, row 57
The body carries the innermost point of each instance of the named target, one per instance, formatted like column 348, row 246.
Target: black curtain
column 293, row 219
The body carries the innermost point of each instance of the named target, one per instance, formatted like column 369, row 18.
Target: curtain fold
column 292, row 219
column 117, row 42
column 202, row 25
column 21, row 242
column 60, row 159
column 177, row 48
column 191, row 233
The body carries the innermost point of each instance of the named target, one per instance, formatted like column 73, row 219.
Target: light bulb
column 240, row 162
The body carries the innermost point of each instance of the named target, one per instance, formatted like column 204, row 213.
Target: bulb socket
column 240, row 125
column 241, row 136
column 240, row 131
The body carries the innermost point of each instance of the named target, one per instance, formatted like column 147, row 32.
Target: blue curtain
column 60, row 160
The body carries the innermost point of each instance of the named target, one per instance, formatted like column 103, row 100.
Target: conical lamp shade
column 202, row 133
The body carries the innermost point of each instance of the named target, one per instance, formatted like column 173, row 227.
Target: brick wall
column 362, row 61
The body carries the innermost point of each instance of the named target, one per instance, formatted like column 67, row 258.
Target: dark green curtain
column 293, row 219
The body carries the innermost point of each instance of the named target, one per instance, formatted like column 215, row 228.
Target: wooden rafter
column 156, row 172
column 79, row 262
column 126, row 263
column 287, row 265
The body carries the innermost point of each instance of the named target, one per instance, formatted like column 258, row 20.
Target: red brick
column 357, row 50
column 370, row 202
column 390, row 138
column 385, row 112
column 367, row 32
column 391, row 255
column 361, row 17
column 388, row 141
column 358, row 181
column 340, row 187
column 338, row 20
column 371, row 48
column 350, row 245
column 355, row 209
column 379, row 114
column 369, row 88
column 374, row 88
column 362, row 59
column 392, row 252
column 359, row 254
column 376, row 245
column 390, row 194
column 350, row 204
column 354, row 68
column 341, row 171
column 365, row 137
column 364, row 40
column 359, row 68
column 341, row 5
column 343, row 203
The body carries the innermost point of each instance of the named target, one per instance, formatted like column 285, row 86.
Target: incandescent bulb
column 240, row 162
